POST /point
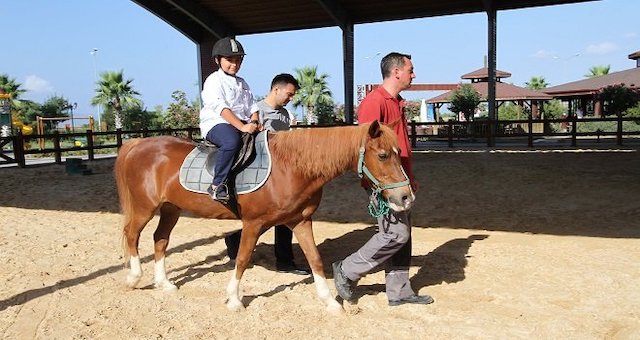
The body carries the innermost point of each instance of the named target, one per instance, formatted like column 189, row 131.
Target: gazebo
column 585, row 92
column 504, row 92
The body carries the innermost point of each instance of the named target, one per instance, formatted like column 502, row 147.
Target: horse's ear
column 374, row 129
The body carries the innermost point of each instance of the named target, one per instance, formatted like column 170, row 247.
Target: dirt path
column 510, row 245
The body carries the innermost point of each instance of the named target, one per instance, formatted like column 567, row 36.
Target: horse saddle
column 250, row 170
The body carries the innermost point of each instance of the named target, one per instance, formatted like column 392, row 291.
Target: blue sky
column 47, row 45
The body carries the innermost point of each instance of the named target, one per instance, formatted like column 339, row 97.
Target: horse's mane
column 323, row 152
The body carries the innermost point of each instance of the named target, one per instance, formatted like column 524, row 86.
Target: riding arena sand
column 529, row 244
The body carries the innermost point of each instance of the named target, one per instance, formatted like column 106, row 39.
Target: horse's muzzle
column 400, row 199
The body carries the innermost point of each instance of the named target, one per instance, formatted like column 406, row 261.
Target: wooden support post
column 574, row 130
column 413, row 134
column 119, row 137
column 90, row 150
column 56, row 147
column 619, row 131
column 18, row 149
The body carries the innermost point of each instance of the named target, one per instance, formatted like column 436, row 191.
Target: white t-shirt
column 222, row 91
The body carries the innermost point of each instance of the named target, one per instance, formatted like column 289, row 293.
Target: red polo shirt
column 381, row 106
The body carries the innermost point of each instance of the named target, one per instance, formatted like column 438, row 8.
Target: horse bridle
column 377, row 186
column 377, row 205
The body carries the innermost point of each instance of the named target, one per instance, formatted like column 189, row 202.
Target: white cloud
column 36, row 84
column 542, row 54
column 631, row 35
column 602, row 48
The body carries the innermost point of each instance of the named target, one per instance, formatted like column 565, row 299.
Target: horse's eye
column 383, row 156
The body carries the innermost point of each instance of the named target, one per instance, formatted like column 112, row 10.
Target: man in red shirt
column 391, row 245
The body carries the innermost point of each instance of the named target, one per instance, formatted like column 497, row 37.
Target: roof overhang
column 204, row 19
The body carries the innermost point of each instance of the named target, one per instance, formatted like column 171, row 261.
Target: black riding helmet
column 227, row 47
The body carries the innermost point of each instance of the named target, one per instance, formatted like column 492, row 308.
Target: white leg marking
column 233, row 297
column 325, row 295
column 135, row 272
column 160, row 277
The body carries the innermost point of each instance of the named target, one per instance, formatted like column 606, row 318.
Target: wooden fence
column 453, row 132
column 433, row 133
column 90, row 141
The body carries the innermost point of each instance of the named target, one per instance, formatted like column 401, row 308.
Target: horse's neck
column 319, row 153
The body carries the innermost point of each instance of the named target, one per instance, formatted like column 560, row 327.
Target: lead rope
column 378, row 206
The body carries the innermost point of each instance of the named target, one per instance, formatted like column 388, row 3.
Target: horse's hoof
column 166, row 286
column 132, row 281
column 235, row 305
column 334, row 308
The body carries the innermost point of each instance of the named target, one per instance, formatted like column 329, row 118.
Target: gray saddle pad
column 194, row 175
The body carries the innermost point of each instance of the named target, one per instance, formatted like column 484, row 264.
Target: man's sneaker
column 344, row 286
column 414, row 299
column 219, row 193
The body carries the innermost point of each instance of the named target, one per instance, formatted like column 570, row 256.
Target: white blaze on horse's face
column 398, row 200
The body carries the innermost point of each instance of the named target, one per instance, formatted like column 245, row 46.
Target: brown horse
column 303, row 161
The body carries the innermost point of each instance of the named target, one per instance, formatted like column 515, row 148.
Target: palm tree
column 314, row 90
column 113, row 92
column 536, row 83
column 597, row 71
column 10, row 87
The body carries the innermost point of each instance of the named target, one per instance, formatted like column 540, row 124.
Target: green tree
column 116, row 93
column 464, row 99
column 138, row 118
column 536, row 83
column 325, row 113
column 55, row 107
column 412, row 109
column 510, row 111
column 597, row 71
column 634, row 112
column 26, row 111
column 314, row 90
column 180, row 114
column 12, row 88
column 618, row 98
column 554, row 109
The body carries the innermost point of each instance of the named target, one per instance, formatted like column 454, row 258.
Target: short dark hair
column 391, row 61
column 283, row 79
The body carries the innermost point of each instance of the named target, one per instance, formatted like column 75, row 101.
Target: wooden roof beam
column 216, row 26
column 337, row 12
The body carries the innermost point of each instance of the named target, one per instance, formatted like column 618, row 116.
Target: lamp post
column 372, row 58
column 94, row 53
column 565, row 60
column 71, row 108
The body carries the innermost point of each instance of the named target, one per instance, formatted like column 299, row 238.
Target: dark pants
column 228, row 139
column 282, row 249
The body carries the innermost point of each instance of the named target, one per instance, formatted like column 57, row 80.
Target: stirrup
column 215, row 191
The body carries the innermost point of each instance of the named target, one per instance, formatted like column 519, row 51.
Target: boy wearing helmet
column 228, row 110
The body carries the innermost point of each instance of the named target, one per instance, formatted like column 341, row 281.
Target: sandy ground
column 511, row 245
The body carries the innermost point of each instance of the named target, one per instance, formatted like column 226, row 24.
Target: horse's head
column 380, row 163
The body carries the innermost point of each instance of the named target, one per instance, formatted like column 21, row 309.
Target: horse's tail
column 124, row 195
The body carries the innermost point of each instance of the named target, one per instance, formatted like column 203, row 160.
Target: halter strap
column 362, row 169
